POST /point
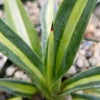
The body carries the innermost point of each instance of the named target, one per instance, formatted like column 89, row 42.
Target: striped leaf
column 8, row 34
column 47, row 15
column 85, row 80
column 69, row 26
column 18, row 87
column 12, row 46
column 84, row 97
column 49, row 66
column 19, row 21
column 50, row 59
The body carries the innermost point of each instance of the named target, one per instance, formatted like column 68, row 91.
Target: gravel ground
column 88, row 55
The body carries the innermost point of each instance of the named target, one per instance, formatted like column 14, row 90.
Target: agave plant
column 62, row 33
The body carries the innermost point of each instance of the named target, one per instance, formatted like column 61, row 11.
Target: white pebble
column 26, row 78
column 34, row 5
column 92, row 61
column 88, row 54
column 87, row 45
column 72, row 70
column 97, row 60
column 69, row 97
column 97, row 34
column 2, row 61
column 82, row 52
column 90, row 27
column 80, row 92
column 96, row 55
column 10, row 70
column 80, row 63
column 86, row 63
column 18, row 74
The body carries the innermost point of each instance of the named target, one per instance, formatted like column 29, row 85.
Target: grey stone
column 88, row 54
column 79, row 92
column 69, row 97
column 92, row 61
column 97, row 11
column 29, row 4
column 87, row 44
column 41, row 2
column 26, row 78
column 97, row 61
column 80, row 63
column 86, row 63
column 82, row 52
column 35, row 5
column 18, row 74
column 97, row 34
column 91, row 27
column 96, row 54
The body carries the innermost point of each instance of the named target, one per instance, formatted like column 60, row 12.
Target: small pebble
column 90, row 28
column 10, row 70
column 80, row 92
column 82, row 52
column 97, row 60
column 88, row 54
column 87, row 44
column 35, row 5
column 92, row 61
column 80, row 63
column 72, row 70
column 86, row 63
column 96, row 55
column 28, row 4
column 69, row 97
column 97, row 34
column 19, row 74
column 26, row 78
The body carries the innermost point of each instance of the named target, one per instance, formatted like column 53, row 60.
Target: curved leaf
column 77, row 36
column 18, row 52
column 47, row 16
column 85, row 80
column 9, row 35
column 17, row 87
column 84, row 97
column 19, row 21
column 50, row 59
column 73, row 17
